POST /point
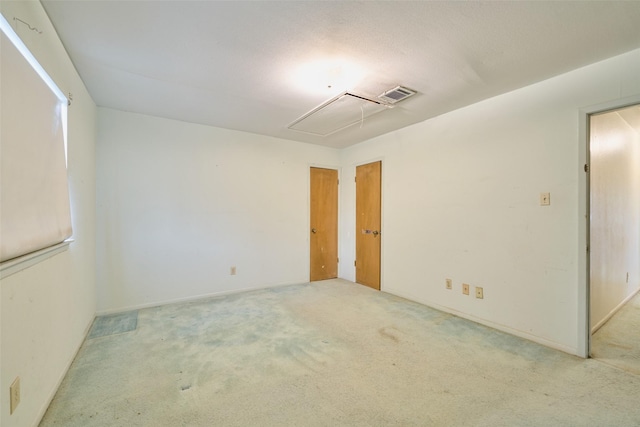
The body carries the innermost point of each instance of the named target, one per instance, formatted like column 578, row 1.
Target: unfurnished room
column 319, row 213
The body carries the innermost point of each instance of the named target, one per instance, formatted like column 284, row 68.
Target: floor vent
column 114, row 324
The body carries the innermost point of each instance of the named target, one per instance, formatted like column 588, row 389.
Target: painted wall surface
column 615, row 210
column 47, row 309
column 179, row 204
column 461, row 201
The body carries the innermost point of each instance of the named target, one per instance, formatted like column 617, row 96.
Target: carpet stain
column 330, row 353
column 389, row 333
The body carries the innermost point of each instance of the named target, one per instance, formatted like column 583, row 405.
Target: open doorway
column 614, row 236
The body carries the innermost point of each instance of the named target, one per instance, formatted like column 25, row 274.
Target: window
column 34, row 195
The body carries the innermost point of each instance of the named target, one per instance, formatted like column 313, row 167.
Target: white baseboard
column 539, row 340
column 52, row 394
column 190, row 298
column 613, row 312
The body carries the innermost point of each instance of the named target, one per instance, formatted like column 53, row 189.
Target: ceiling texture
column 259, row 66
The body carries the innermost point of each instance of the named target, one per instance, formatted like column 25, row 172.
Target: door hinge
column 337, row 259
column 338, row 182
column 586, row 168
column 587, row 248
column 354, row 263
column 355, row 179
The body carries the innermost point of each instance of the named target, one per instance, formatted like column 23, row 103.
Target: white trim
column 192, row 298
column 584, row 223
column 63, row 374
column 16, row 265
column 614, row 311
column 502, row 328
column 583, row 335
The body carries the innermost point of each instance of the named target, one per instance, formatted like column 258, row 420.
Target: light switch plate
column 545, row 199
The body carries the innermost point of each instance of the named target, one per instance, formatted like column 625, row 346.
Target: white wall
column 461, row 201
column 47, row 309
column 179, row 204
column 615, row 212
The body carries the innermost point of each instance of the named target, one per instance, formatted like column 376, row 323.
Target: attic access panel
column 336, row 114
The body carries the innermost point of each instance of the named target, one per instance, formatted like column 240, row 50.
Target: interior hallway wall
column 615, row 211
column 46, row 309
column 461, row 200
column 179, row 204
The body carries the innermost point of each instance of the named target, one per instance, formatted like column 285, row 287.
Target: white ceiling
column 234, row 64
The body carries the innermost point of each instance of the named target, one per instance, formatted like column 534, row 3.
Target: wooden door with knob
column 368, row 224
column 323, row 230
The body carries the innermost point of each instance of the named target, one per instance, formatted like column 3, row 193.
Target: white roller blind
column 34, row 195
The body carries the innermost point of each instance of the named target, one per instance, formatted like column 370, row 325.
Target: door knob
column 375, row 233
column 314, row 231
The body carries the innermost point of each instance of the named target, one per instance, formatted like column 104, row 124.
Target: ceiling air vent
column 396, row 94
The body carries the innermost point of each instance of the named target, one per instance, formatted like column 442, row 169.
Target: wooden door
column 323, row 228
column 368, row 224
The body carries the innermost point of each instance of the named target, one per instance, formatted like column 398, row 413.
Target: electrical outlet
column 449, row 283
column 14, row 395
column 233, row 270
column 545, row 199
column 479, row 292
column 465, row 289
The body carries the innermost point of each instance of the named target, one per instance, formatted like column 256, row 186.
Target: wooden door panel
column 323, row 230
column 368, row 224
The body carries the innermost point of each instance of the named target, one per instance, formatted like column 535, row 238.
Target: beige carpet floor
column 330, row 353
column 617, row 342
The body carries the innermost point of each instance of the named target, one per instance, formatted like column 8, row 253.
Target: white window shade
column 34, row 195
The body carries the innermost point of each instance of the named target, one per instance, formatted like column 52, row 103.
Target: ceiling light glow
column 328, row 76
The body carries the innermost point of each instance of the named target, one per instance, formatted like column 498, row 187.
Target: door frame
column 308, row 238
column 584, row 214
column 382, row 227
